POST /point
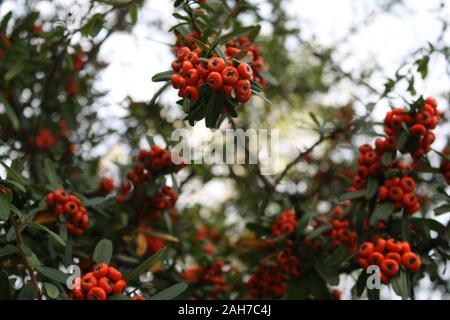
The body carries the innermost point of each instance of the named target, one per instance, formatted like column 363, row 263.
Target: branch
column 25, row 261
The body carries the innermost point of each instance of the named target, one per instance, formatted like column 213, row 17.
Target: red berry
column 105, row 284
column 191, row 93
column 396, row 193
column 192, row 77
column 389, row 267
column 230, row 75
column 214, row 80
column 88, row 281
column 100, row 270
column 245, row 71
column 119, row 286
column 96, row 293
column 114, row 274
column 243, row 87
column 216, row 64
column 182, row 52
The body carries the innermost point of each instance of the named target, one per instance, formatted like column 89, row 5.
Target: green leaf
column 442, row 209
column 353, row 195
column 50, row 173
column 317, row 232
column 38, row 226
column 338, row 257
column 5, row 288
column 361, row 284
column 93, row 26
column 262, row 96
column 158, row 93
column 103, row 251
column 4, row 207
column 134, row 13
column 93, row 202
column 372, row 187
column 144, row 266
column 14, row 71
column 389, row 156
column 10, row 113
column 27, row 292
column 163, row 76
column 51, row 290
column 328, row 273
column 402, row 139
column 373, row 294
column 405, row 226
column 53, row 274
column 8, row 250
column 400, row 284
column 11, row 173
column 382, row 211
column 303, row 223
column 171, row 292
column 296, row 289
column 13, row 184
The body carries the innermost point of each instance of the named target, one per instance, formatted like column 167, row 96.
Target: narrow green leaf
column 10, row 113
column 144, row 266
column 4, row 207
column 5, row 288
column 53, row 274
column 8, row 250
column 163, row 76
column 442, row 209
column 171, row 292
column 11, row 173
column 353, row 195
column 372, row 187
column 43, row 228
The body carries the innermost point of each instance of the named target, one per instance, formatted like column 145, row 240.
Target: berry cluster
column 149, row 164
column 46, row 140
column 106, row 185
column 212, row 279
column 340, row 232
column 163, row 200
column 207, row 233
column 268, row 281
column 228, row 77
column 402, row 192
column 78, row 60
column 103, row 281
column 388, row 255
column 285, row 225
column 234, row 47
column 43, row 141
column 63, row 203
column 420, row 120
column 445, row 166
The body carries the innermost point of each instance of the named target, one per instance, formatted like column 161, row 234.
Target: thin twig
column 24, row 258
